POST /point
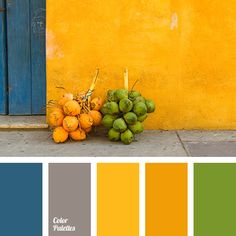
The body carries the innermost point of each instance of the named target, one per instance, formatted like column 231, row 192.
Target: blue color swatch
column 21, row 199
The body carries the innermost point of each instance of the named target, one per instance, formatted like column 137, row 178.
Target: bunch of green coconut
column 123, row 114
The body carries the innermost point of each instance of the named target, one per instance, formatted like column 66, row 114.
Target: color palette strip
column 21, row 199
column 166, row 199
column 118, row 199
column 215, row 199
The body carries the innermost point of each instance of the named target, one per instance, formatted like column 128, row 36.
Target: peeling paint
column 174, row 21
column 53, row 50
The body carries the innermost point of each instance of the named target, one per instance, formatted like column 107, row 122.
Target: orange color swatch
column 166, row 199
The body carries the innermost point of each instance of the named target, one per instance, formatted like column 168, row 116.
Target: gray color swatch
column 70, row 199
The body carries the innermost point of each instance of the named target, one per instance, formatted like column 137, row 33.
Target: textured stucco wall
column 183, row 51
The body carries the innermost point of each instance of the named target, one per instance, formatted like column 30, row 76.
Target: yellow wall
column 184, row 52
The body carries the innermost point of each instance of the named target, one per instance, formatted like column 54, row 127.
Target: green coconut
column 133, row 95
column 139, row 99
column 143, row 117
column 140, row 109
column 125, row 105
column 111, row 96
column 121, row 93
column 111, row 108
column 114, row 135
column 119, row 125
column 130, row 118
column 127, row 137
column 150, row 106
column 103, row 109
column 136, row 128
column 108, row 121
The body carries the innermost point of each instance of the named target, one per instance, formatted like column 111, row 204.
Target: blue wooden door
column 26, row 80
column 3, row 70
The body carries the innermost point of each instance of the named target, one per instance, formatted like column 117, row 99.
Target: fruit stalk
column 91, row 89
column 126, row 79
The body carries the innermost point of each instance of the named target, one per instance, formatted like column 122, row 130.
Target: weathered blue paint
column 38, row 51
column 3, row 71
column 19, row 68
column 26, row 56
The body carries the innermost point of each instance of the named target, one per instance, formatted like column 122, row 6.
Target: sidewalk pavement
column 150, row 143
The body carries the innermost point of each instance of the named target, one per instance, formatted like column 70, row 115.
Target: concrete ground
column 150, row 143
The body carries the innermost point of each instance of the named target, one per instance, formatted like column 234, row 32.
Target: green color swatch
column 215, row 199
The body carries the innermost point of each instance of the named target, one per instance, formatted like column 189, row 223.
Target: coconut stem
column 91, row 89
column 89, row 100
column 126, row 79
column 134, row 84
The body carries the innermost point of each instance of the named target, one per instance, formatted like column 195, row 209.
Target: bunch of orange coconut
column 73, row 116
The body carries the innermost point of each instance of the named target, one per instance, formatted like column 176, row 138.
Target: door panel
column 19, row 69
column 38, row 64
column 3, row 71
column 26, row 56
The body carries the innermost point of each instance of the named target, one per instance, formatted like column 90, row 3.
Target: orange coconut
column 63, row 101
column 56, row 118
column 60, row 135
column 88, row 130
column 70, row 123
column 97, row 117
column 56, row 108
column 85, row 120
column 70, row 96
column 78, row 135
column 96, row 103
column 72, row 108
column 65, row 98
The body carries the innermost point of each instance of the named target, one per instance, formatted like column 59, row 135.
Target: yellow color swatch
column 166, row 199
column 118, row 199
